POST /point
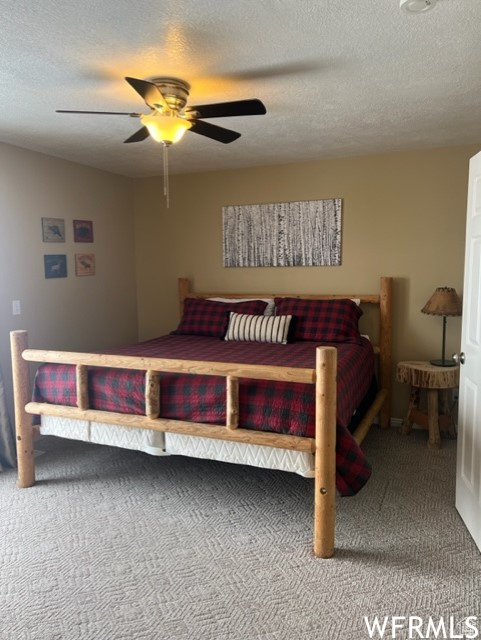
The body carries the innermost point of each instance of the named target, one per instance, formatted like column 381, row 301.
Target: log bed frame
column 323, row 377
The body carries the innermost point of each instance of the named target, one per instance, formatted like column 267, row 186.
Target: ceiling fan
column 170, row 118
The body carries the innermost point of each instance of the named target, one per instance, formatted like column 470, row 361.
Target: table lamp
column 444, row 302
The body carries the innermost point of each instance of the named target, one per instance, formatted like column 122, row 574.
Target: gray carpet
column 117, row 545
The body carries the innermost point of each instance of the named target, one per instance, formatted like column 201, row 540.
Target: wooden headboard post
column 184, row 290
column 385, row 347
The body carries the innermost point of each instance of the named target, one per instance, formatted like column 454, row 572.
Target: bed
column 295, row 390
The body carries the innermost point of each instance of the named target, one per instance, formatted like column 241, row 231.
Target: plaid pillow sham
column 208, row 318
column 322, row 320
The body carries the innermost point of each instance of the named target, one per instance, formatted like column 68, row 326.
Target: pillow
column 208, row 318
column 251, row 328
column 334, row 320
column 270, row 303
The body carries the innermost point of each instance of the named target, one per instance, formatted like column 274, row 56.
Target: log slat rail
column 323, row 445
column 232, row 402
column 152, row 393
column 81, row 379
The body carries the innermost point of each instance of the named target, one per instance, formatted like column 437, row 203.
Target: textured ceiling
column 338, row 78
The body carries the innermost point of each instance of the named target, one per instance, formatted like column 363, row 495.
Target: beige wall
column 403, row 216
column 74, row 312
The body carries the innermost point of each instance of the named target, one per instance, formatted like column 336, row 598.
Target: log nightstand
column 436, row 381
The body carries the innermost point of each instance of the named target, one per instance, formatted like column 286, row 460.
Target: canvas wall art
column 53, row 229
column 284, row 234
column 84, row 264
column 55, row 266
column 83, row 231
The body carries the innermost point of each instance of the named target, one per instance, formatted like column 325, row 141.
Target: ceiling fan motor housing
column 174, row 90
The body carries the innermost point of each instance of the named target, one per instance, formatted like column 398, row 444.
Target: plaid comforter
column 282, row 407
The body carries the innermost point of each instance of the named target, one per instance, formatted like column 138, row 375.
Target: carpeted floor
column 117, row 545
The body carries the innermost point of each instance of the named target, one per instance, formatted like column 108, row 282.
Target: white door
column 468, row 472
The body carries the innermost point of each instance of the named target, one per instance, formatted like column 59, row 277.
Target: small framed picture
column 55, row 266
column 84, row 264
column 83, row 231
column 53, row 229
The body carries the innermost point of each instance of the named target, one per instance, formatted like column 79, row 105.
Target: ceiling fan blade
column 224, row 109
column 139, row 135
column 213, row 131
column 149, row 92
column 276, row 70
column 101, row 113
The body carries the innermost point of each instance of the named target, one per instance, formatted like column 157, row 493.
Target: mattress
column 280, row 407
column 146, row 440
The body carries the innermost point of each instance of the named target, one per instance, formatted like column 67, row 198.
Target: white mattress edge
column 160, row 444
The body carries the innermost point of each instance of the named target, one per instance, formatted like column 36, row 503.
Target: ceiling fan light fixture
column 167, row 122
column 416, row 6
column 166, row 127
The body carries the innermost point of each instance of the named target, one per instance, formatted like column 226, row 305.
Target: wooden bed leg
column 23, row 422
column 325, row 469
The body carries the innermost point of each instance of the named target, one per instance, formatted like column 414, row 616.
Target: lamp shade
column 167, row 127
column 444, row 302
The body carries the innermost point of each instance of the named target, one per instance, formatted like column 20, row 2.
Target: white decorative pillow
column 250, row 328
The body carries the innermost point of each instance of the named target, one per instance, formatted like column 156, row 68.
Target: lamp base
column 443, row 363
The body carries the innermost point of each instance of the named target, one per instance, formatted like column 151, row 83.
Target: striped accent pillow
column 250, row 328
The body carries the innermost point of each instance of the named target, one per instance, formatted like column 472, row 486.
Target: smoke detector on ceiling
column 416, row 6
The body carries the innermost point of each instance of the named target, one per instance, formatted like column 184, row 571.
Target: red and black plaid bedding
column 282, row 407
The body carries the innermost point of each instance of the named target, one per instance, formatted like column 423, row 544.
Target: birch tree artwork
column 285, row 234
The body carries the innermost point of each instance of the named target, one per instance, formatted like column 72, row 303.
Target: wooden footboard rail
column 323, row 445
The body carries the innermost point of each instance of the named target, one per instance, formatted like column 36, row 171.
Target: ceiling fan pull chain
column 166, row 172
